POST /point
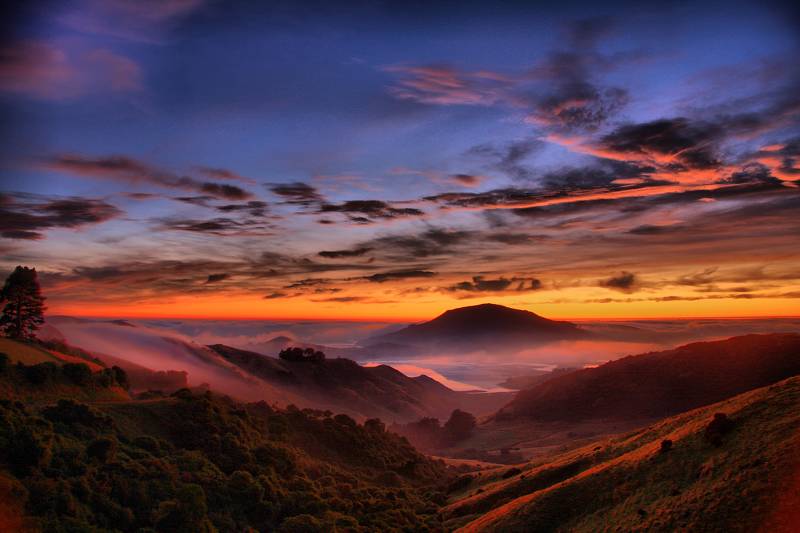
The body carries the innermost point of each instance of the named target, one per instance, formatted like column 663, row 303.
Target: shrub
column 666, row 445
column 41, row 373
column 4, row 361
column 460, row 483
column 78, row 373
column 102, row 449
column 511, row 472
column 717, row 428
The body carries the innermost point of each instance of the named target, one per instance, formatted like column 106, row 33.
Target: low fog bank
column 180, row 345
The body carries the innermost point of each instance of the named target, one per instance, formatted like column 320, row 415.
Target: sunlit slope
column 41, row 379
column 630, row 484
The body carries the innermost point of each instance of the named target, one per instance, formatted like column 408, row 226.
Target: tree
column 460, row 426
column 23, row 310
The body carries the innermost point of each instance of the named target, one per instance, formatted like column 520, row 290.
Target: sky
column 391, row 160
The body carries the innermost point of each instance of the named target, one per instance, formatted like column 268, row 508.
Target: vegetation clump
column 202, row 462
column 302, row 355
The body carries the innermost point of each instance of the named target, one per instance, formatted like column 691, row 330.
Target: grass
column 25, row 353
column 627, row 484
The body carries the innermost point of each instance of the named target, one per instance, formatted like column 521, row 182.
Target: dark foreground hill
column 658, row 384
column 482, row 327
column 199, row 462
column 343, row 385
column 731, row 466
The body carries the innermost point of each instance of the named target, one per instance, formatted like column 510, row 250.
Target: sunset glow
column 167, row 165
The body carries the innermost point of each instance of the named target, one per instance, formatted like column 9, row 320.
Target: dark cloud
column 297, row 193
column 341, row 299
column 508, row 158
column 222, row 174
column 223, row 190
column 370, row 209
column 482, row 284
column 221, row 226
column 275, row 295
column 129, row 170
column 254, row 208
column 337, row 254
column 624, row 281
column 399, row 274
column 432, row 242
column 26, row 216
column 214, row 278
column 691, row 143
column 468, row 180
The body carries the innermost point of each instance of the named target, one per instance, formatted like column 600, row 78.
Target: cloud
column 341, row 299
column 43, row 70
column 393, row 275
column 146, row 21
column 223, row 190
column 557, row 94
column 624, row 282
column 26, row 216
column 275, row 295
column 221, row 226
column 482, row 284
column 467, row 180
column 297, row 193
column 129, row 170
column 337, row 254
column 508, row 158
column 370, row 209
column 214, row 278
column 445, row 85
column 432, row 242
column 223, row 174
column 254, row 208
column 681, row 141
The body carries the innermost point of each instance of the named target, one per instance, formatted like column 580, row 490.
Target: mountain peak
column 484, row 326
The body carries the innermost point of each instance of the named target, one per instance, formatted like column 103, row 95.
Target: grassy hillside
column 56, row 378
column 729, row 479
column 26, row 353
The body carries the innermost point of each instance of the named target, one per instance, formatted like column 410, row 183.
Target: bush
column 511, row 472
column 78, row 373
column 717, row 428
column 102, row 449
column 666, row 445
column 41, row 373
column 4, row 362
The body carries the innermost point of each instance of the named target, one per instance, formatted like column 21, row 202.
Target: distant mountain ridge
column 658, row 384
column 483, row 326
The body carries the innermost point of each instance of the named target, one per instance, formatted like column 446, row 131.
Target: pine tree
column 23, row 304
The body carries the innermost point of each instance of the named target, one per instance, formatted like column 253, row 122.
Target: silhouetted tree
column 23, row 310
column 295, row 354
column 459, row 426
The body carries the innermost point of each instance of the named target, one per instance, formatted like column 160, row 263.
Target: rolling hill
column 658, row 384
column 203, row 463
column 481, row 327
column 685, row 473
column 343, row 385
